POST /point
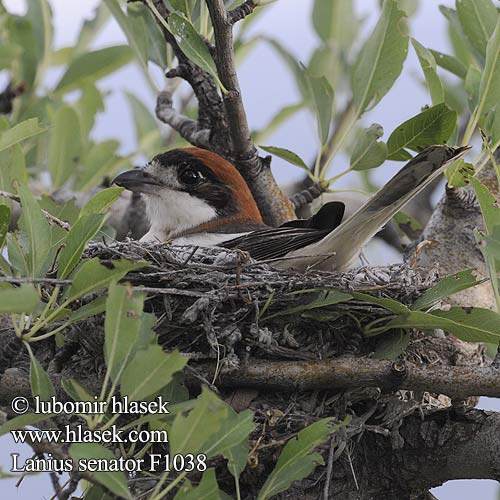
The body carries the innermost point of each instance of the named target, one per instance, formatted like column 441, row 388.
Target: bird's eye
column 190, row 177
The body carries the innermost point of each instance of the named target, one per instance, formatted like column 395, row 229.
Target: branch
column 274, row 205
column 242, row 11
column 423, row 452
column 306, row 196
column 51, row 218
column 243, row 148
column 458, row 382
column 187, row 128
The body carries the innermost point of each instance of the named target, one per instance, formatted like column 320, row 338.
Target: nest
column 214, row 303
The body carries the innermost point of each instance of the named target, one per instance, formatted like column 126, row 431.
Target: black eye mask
column 198, row 180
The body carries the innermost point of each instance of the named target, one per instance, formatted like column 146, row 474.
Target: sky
column 266, row 88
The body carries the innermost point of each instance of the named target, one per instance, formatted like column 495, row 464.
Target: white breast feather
column 174, row 212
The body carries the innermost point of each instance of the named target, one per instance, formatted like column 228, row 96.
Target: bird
column 195, row 197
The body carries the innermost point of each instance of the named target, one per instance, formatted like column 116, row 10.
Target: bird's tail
column 345, row 242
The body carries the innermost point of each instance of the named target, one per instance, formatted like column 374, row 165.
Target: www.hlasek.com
column 77, row 434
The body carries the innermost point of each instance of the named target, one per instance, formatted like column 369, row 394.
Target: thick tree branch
column 274, row 205
column 423, row 452
column 458, row 382
column 243, row 148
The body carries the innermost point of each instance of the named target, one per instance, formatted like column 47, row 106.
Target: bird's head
column 186, row 189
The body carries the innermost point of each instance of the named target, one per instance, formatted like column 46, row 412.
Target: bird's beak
column 136, row 180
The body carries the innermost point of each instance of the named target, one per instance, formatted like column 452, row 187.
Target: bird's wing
column 275, row 242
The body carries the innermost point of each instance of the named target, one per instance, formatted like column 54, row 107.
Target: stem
column 331, row 180
column 368, row 330
column 47, row 335
column 17, row 330
column 351, row 117
column 172, row 485
column 237, row 486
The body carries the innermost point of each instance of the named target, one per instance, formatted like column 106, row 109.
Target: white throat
column 172, row 213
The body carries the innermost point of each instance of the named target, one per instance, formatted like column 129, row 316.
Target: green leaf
column 121, row 327
column 76, row 391
column 147, row 130
column 96, row 493
column 40, row 16
column 21, row 299
column 287, row 155
column 22, row 33
column 64, row 145
column 9, row 54
column 488, row 204
column 146, row 27
column 98, row 162
column 234, row 430
column 36, row 228
column 101, row 201
column 470, row 324
column 148, row 371
column 291, row 62
column 381, row 58
column 433, row 126
column 280, row 118
column 326, row 62
column 193, row 45
column 489, row 89
column 325, row 299
column 115, row 482
column 450, row 63
column 22, row 421
column 322, row 98
column 462, row 49
column 446, row 287
column 296, row 460
column 88, row 105
column 478, row 19
column 13, row 170
column 137, row 41
column 20, row 132
column 41, row 385
column 392, row 345
column 472, row 85
column 93, row 66
column 428, row 64
column 92, row 276
column 80, row 234
column 91, row 28
column 459, row 173
column 335, row 20
column 232, row 440
column 176, row 391
column 208, row 489
column 4, row 223
column 17, row 257
column 390, row 304
column 368, row 151
column 490, row 246
column 190, row 433
column 97, row 306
